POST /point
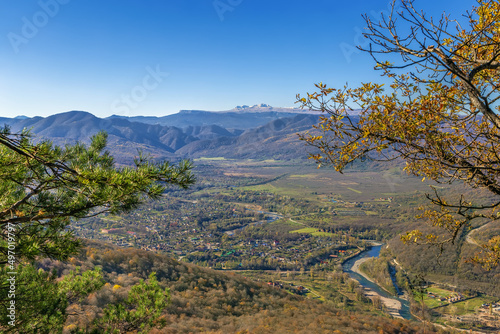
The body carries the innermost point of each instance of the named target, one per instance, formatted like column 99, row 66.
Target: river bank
column 392, row 306
column 397, row 307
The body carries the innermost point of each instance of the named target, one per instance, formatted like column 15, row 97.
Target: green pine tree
column 42, row 188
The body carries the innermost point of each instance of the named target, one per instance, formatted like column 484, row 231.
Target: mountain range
column 240, row 117
column 258, row 131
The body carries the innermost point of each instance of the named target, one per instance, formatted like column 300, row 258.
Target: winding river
column 374, row 251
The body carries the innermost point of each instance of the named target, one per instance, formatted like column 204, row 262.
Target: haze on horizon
column 156, row 58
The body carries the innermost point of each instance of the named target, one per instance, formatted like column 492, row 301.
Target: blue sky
column 155, row 57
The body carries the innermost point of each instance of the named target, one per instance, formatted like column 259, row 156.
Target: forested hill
column 264, row 134
column 209, row 301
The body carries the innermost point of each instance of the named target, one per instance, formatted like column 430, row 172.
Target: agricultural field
column 313, row 231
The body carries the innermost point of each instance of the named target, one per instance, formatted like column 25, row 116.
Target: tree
column 418, row 287
column 41, row 301
column 141, row 310
column 44, row 187
column 377, row 302
column 440, row 114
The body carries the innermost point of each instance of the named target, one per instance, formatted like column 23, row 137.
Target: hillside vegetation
column 208, row 301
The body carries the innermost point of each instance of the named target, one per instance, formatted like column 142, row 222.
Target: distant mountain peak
column 76, row 112
column 262, row 105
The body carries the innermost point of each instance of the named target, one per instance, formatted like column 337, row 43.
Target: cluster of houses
column 382, row 199
column 494, row 306
column 450, row 299
column 455, row 298
column 109, row 230
column 346, row 203
column 275, row 284
column 298, row 289
column 183, row 241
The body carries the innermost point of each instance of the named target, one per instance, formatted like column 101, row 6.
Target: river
column 374, row 251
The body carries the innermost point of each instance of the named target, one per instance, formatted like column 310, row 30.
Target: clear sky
column 155, row 57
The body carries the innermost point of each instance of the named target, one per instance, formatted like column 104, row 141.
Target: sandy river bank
column 393, row 306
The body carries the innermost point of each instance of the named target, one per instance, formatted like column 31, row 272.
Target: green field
column 433, row 302
column 324, row 234
column 440, row 292
column 306, row 230
column 466, row 306
column 356, row 191
column 303, row 176
column 314, row 231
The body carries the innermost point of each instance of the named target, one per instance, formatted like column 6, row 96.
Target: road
column 469, row 237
